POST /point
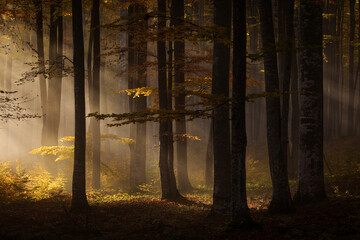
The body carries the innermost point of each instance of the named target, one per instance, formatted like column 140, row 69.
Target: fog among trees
column 179, row 119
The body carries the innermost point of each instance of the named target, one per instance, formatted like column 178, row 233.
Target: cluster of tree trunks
column 227, row 147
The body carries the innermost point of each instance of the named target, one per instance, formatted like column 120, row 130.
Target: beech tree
column 177, row 7
column 311, row 170
column 281, row 199
column 221, row 125
column 239, row 208
column 79, row 201
column 167, row 178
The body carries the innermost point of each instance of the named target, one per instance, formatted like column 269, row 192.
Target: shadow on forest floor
column 123, row 216
column 338, row 218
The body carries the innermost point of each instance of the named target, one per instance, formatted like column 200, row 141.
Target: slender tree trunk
column 141, row 103
column 351, row 70
column 209, row 161
column 311, row 170
column 170, row 132
column 169, row 189
column 137, row 59
column 281, row 199
column 79, row 201
column 96, row 94
column 131, row 84
column 41, row 63
column 221, row 132
column 181, row 143
column 287, row 10
column 239, row 208
column 295, row 120
column 54, row 84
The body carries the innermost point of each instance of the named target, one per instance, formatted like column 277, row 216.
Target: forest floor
column 149, row 218
column 114, row 215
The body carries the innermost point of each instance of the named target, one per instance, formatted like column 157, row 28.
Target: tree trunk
column 41, row 63
column 96, row 94
column 55, row 72
column 295, row 120
column 281, row 199
column 177, row 13
column 137, row 79
column 351, row 70
column 209, row 161
column 311, row 172
column 239, row 208
column 168, row 186
column 141, row 103
column 131, row 84
column 287, row 10
column 79, row 201
column 221, row 132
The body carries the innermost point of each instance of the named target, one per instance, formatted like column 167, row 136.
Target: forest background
column 122, row 81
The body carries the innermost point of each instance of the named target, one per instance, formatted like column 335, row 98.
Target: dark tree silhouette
column 79, row 201
column 281, row 199
column 311, row 170
column 221, row 131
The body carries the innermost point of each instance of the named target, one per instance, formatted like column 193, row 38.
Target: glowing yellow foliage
column 63, row 152
column 67, row 139
column 137, row 92
column 187, row 135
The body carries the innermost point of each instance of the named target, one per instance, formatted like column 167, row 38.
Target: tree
column 95, row 18
column 351, row 70
column 177, row 12
column 281, row 199
column 79, row 201
column 41, row 59
column 239, row 208
column 221, row 131
column 55, row 79
column 311, row 170
column 168, row 182
column 137, row 79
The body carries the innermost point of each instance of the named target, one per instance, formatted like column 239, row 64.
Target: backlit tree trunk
column 79, row 201
column 168, row 183
column 181, row 143
column 96, row 94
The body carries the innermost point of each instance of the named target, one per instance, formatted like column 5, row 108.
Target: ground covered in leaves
column 338, row 218
column 35, row 206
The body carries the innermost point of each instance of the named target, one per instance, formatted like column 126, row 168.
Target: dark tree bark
column 141, row 103
column 55, row 78
column 287, row 11
column 177, row 7
column 137, row 78
column 131, row 84
column 311, row 170
column 96, row 94
column 295, row 120
column 253, row 109
column 281, row 200
column 79, row 201
column 41, row 63
column 168, row 184
column 351, row 70
column 209, row 161
column 221, row 132
column 240, row 211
